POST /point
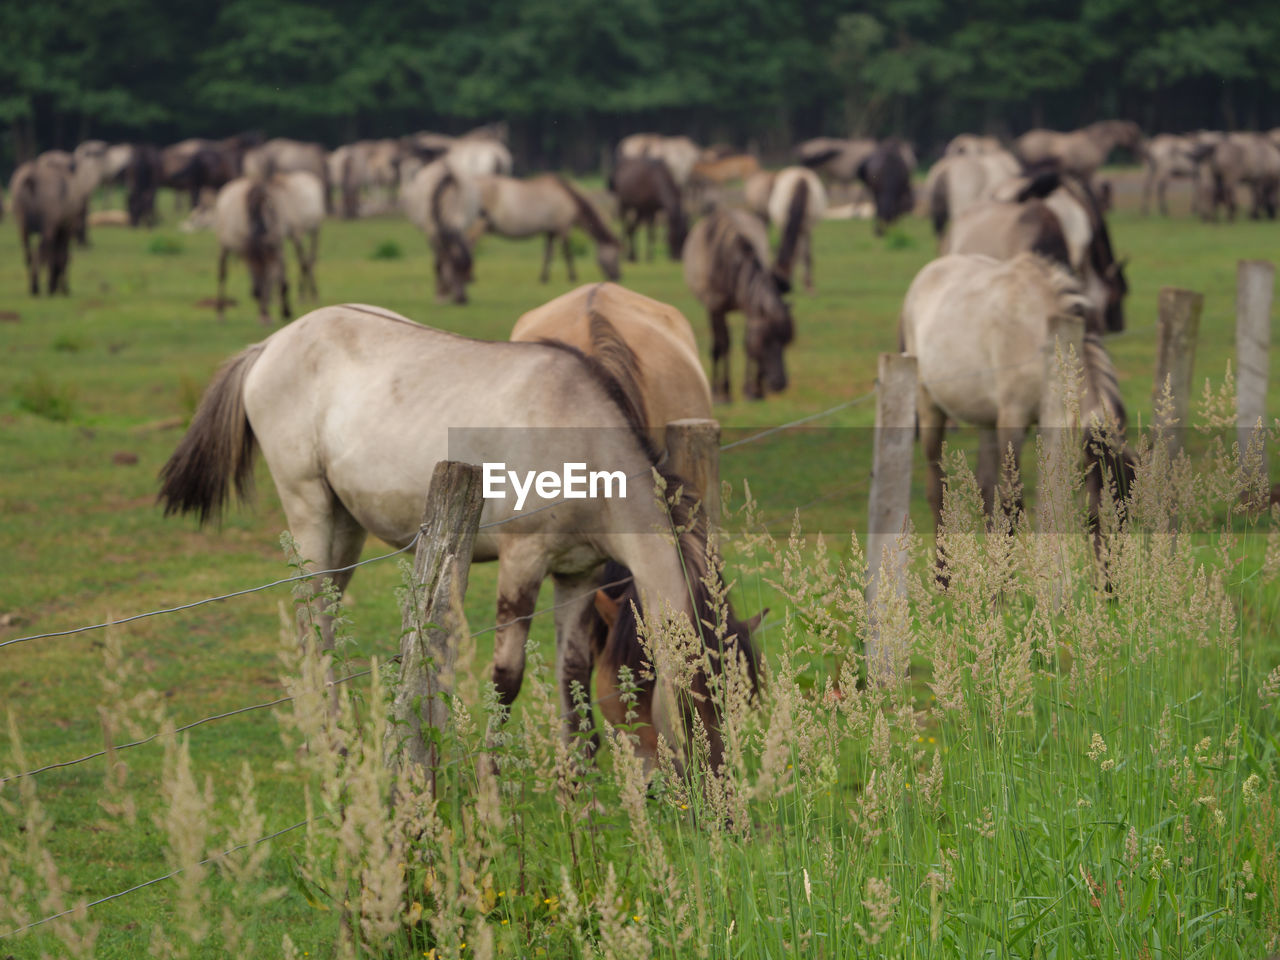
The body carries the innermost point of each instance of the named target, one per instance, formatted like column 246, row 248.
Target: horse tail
column 796, row 210
column 217, row 449
column 452, row 241
column 258, row 210
column 939, row 208
column 1042, row 183
column 588, row 216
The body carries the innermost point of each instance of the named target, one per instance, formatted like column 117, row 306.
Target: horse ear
column 606, row 607
column 754, row 622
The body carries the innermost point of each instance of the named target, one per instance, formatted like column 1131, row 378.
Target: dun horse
column 978, row 328
column 1080, row 152
column 645, row 188
column 960, row 181
column 281, row 155
column 1242, row 159
column 248, row 221
column 352, row 407
column 1169, row 157
column 551, row 206
column 680, row 154
column 726, row 266
column 45, row 202
column 796, row 202
column 445, row 207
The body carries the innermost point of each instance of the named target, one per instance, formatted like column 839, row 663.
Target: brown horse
column 645, row 188
column 834, row 158
column 549, row 205
column 726, row 266
column 680, row 154
column 45, row 201
column 142, row 177
column 282, row 155
column 1080, row 152
column 196, row 164
column 887, row 173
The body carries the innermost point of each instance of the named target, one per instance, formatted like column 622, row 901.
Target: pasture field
column 1066, row 771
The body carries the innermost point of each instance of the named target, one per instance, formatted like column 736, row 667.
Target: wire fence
column 844, row 489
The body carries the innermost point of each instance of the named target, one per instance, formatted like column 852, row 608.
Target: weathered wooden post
column 890, row 498
column 1063, row 350
column 1255, row 281
column 431, row 617
column 1176, row 332
column 693, row 451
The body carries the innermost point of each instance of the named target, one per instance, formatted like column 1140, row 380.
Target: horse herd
column 594, row 375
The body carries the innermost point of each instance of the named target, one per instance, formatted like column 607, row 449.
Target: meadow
column 1058, row 768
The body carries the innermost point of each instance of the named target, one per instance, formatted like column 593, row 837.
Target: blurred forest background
column 572, row 76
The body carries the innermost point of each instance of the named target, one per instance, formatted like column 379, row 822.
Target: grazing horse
column 1242, row 159
column 445, row 207
column 142, row 178
column 282, row 155
column 644, row 188
column 548, row 205
column 365, row 165
column 960, row 180
column 796, row 202
column 978, row 328
column 834, row 158
column 248, row 221
column 90, row 159
column 887, row 174
column 353, row 406
column 196, row 164
column 680, row 154
column 668, row 373
column 44, row 201
column 726, row 266
column 1080, row 152
column 1169, row 157
column 1057, row 216
column 299, row 196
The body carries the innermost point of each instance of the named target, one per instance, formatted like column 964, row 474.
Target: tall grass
column 1061, row 748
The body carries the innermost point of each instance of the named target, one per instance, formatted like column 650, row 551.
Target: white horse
column 961, row 180
column 353, row 406
column 978, row 328
column 551, row 206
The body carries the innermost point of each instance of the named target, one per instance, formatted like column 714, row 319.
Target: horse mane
column 588, row 216
column 1101, row 254
column 1102, row 387
column 258, row 209
column 796, row 209
column 737, row 267
column 451, row 241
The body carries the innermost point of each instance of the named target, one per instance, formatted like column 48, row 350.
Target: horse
column 1169, row 157
column 365, row 165
column 960, row 180
column 351, row 429
column 887, row 174
column 668, row 373
column 282, row 155
column 1057, row 216
column 445, row 207
column 726, row 261
column 680, row 154
column 197, row 164
column 300, row 196
column 551, row 206
column 248, row 221
column 1248, row 159
column 644, row 188
column 90, row 158
column 978, row 328
column 796, row 202
column 142, row 177
column 834, row 158
column 1080, row 152
column 44, row 201
column 972, row 145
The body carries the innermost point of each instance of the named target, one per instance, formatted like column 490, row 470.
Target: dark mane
column 588, row 217
column 737, row 268
column 1101, row 254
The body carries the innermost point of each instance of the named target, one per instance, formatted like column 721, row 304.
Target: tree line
column 571, row 76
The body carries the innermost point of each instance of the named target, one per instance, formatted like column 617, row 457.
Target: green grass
column 116, row 368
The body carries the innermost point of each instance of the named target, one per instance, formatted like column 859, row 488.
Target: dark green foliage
column 570, row 74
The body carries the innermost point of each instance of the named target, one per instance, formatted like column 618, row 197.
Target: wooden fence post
column 890, row 497
column 1063, row 350
column 1255, row 280
column 431, row 616
column 1176, row 332
column 693, row 451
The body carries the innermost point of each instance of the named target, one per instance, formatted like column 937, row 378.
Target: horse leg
column 568, row 256
column 806, row 241
column 313, row 251
column 285, row 311
column 719, row 356
column 223, row 252
column 547, row 252
column 932, row 422
column 990, row 455
column 302, row 265
column 575, row 615
column 33, row 266
column 521, row 567
column 630, row 222
column 61, row 256
column 649, row 227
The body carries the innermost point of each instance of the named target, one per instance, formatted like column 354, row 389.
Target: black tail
column 791, row 231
